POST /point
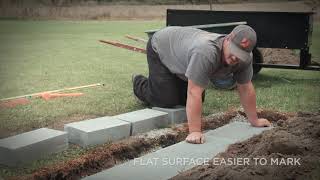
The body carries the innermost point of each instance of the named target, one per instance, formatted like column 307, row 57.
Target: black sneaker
column 133, row 78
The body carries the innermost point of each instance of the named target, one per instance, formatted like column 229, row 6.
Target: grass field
column 38, row 56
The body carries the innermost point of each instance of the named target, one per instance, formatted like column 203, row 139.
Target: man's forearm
column 248, row 101
column 194, row 110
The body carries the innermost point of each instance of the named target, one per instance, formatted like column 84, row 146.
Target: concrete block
column 31, row 145
column 176, row 115
column 97, row 131
column 237, row 131
column 145, row 120
column 168, row 162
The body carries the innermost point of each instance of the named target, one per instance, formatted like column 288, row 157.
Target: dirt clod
column 284, row 143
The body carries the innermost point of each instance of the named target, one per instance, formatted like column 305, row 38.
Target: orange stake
column 125, row 46
column 136, row 39
column 47, row 95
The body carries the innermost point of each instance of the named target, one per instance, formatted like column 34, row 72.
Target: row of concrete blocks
column 33, row 145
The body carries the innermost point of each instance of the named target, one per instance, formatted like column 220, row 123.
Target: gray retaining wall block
column 145, row 120
column 97, row 131
column 176, row 115
column 25, row 147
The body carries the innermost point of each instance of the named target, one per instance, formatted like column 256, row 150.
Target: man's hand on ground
column 261, row 123
column 195, row 138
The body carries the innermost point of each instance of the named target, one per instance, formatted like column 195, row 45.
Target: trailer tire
column 257, row 58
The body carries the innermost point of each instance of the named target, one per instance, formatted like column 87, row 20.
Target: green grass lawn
column 38, row 56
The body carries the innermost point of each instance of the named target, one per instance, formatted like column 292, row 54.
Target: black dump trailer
column 287, row 30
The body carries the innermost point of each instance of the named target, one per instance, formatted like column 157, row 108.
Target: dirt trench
column 291, row 150
column 109, row 155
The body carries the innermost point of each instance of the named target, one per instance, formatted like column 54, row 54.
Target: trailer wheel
column 257, row 58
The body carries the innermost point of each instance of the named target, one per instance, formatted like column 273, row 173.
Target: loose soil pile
column 280, row 56
column 291, row 150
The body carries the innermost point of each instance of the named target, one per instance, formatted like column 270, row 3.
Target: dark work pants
column 161, row 88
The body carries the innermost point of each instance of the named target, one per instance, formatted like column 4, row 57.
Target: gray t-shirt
column 195, row 54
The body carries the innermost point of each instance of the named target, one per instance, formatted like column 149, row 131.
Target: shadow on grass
column 269, row 81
